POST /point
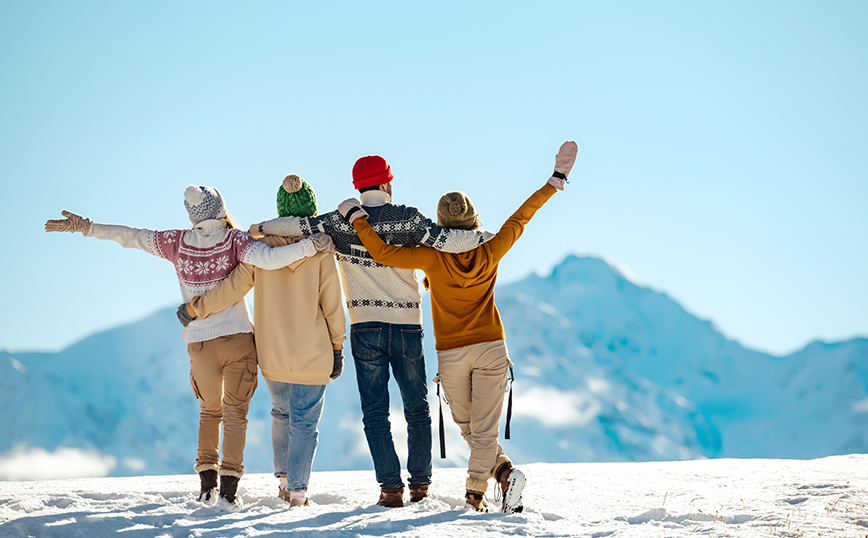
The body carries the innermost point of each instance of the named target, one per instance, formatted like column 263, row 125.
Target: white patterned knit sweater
column 203, row 257
column 376, row 292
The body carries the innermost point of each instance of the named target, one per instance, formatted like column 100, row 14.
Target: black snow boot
column 208, row 481
column 228, row 487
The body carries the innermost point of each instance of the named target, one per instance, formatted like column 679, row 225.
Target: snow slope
column 725, row 497
column 643, row 379
column 606, row 370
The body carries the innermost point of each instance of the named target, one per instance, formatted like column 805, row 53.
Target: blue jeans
column 376, row 346
column 294, row 416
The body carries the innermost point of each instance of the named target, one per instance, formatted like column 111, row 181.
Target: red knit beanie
column 371, row 170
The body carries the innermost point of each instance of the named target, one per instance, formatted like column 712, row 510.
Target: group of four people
column 300, row 324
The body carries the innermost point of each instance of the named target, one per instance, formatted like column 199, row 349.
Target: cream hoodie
column 298, row 314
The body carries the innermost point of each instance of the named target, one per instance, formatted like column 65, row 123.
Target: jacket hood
column 279, row 241
column 469, row 268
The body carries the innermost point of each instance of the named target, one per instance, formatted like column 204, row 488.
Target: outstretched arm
column 159, row 244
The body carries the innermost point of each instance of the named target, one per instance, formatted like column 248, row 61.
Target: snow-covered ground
column 727, row 497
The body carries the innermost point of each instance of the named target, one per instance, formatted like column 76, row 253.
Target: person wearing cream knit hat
column 470, row 340
column 300, row 328
column 223, row 359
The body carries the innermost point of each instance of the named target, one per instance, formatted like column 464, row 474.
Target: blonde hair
column 231, row 222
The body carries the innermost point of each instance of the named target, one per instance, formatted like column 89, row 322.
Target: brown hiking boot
column 418, row 492
column 208, row 485
column 295, row 502
column 511, row 482
column 228, row 488
column 476, row 501
column 391, row 497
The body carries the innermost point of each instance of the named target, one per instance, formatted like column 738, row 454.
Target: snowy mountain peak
column 606, row 370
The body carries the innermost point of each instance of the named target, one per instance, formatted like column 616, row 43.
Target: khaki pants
column 474, row 380
column 223, row 374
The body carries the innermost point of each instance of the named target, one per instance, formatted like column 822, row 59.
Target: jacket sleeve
column 430, row 234
column 161, row 244
column 225, row 294
column 330, row 300
column 297, row 226
column 263, row 256
column 402, row 257
column 514, row 225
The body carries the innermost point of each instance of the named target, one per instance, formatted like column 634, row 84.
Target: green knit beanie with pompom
column 296, row 198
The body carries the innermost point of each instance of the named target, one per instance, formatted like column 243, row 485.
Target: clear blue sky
column 723, row 145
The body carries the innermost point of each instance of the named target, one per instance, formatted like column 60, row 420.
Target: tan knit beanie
column 455, row 210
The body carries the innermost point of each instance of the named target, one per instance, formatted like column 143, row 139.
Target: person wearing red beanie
column 371, row 171
column 384, row 307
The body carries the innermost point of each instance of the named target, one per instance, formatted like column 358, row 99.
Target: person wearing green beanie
column 296, row 198
column 300, row 330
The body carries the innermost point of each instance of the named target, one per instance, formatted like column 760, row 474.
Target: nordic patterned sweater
column 376, row 292
column 203, row 257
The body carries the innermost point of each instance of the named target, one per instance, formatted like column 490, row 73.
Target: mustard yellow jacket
column 462, row 285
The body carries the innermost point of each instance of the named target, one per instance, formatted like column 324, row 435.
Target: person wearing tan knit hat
column 455, row 210
column 385, row 315
column 470, row 340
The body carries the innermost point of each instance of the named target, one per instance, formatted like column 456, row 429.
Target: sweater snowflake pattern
column 376, row 292
column 203, row 257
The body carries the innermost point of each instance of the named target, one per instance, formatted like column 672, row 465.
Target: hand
column 566, row 157
column 339, row 364
column 350, row 209
column 72, row 223
column 254, row 231
column 184, row 315
column 323, row 242
column 564, row 161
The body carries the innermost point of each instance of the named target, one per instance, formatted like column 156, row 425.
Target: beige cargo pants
column 224, row 377
column 474, row 381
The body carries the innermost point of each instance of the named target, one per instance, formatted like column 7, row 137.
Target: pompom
column 292, row 183
column 194, row 195
column 456, row 208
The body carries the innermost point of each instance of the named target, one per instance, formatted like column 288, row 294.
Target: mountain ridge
column 606, row 370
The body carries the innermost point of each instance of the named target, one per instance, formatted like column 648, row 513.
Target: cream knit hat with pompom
column 203, row 203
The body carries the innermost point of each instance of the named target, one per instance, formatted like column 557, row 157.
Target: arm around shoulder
column 402, row 257
column 225, row 294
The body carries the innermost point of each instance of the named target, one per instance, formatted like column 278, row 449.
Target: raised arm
column 225, row 294
column 514, row 225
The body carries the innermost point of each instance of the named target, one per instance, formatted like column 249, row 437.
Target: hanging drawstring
column 509, row 403
column 442, row 430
